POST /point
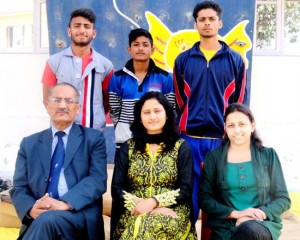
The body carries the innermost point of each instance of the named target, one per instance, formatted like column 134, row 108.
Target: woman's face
column 239, row 128
column 153, row 116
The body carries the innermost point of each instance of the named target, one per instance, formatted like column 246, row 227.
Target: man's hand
column 55, row 204
column 47, row 203
column 38, row 208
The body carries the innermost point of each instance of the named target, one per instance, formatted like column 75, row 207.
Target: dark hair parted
column 85, row 13
column 237, row 107
column 139, row 32
column 170, row 129
column 206, row 5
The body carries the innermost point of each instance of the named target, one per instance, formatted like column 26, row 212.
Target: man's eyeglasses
column 67, row 101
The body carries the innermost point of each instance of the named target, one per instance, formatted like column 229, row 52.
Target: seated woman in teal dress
column 153, row 177
column 243, row 190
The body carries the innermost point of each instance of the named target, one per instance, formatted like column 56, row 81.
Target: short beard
column 207, row 36
column 81, row 44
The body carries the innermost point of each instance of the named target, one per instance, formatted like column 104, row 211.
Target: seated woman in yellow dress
column 242, row 187
column 153, row 177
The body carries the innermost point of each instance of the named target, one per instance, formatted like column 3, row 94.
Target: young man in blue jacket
column 207, row 78
column 138, row 76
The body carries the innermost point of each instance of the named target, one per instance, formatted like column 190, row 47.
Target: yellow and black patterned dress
column 167, row 177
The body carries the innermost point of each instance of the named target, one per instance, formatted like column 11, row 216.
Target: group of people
column 166, row 128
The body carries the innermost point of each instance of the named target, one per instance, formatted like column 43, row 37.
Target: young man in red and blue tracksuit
column 207, row 78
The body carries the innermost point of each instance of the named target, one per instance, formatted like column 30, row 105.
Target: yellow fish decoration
column 168, row 45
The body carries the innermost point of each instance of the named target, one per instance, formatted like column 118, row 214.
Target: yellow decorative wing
column 168, row 45
column 238, row 40
column 178, row 42
column 160, row 34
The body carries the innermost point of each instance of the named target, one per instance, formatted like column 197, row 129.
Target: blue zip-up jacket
column 125, row 89
column 204, row 89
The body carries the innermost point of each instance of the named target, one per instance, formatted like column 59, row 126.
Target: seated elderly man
column 60, row 175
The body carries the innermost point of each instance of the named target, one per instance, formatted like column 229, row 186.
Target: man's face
column 208, row 23
column 81, row 31
column 62, row 106
column 140, row 49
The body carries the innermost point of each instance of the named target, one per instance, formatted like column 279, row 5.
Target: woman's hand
column 251, row 213
column 137, row 200
column 143, row 206
column 242, row 219
column 165, row 211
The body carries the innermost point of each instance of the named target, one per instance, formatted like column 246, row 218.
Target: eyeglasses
column 68, row 101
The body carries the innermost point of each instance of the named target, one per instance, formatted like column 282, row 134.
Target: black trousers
column 251, row 230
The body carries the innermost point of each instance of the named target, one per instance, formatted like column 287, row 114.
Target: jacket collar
column 195, row 50
column 129, row 66
column 74, row 140
column 257, row 160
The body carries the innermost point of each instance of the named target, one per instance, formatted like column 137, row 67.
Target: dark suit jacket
column 84, row 169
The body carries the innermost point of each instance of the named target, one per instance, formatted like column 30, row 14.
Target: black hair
column 237, row 107
column 85, row 13
column 170, row 129
column 206, row 5
column 138, row 32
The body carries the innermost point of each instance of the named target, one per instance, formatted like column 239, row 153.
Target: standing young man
column 84, row 68
column 140, row 75
column 207, row 78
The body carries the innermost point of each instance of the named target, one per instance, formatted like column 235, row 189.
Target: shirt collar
column 66, row 130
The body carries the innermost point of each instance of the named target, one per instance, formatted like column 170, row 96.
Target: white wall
column 274, row 101
column 21, row 110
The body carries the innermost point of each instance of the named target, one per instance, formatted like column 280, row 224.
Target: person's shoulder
column 235, row 54
column 189, row 51
column 183, row 54
column 87, row 132
column 55, row 59
column 267, row 154
column 119, row 73
column 129, row 141
column 218, row 150
column 66, row 51
column 183, row 144
column 183, row 57
column 42, row 132
column 157, row 69
column 268, row 151
column 182, row 141
column 38, row 136
column 231, row 51
column 99, row 57
column 162, row 71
